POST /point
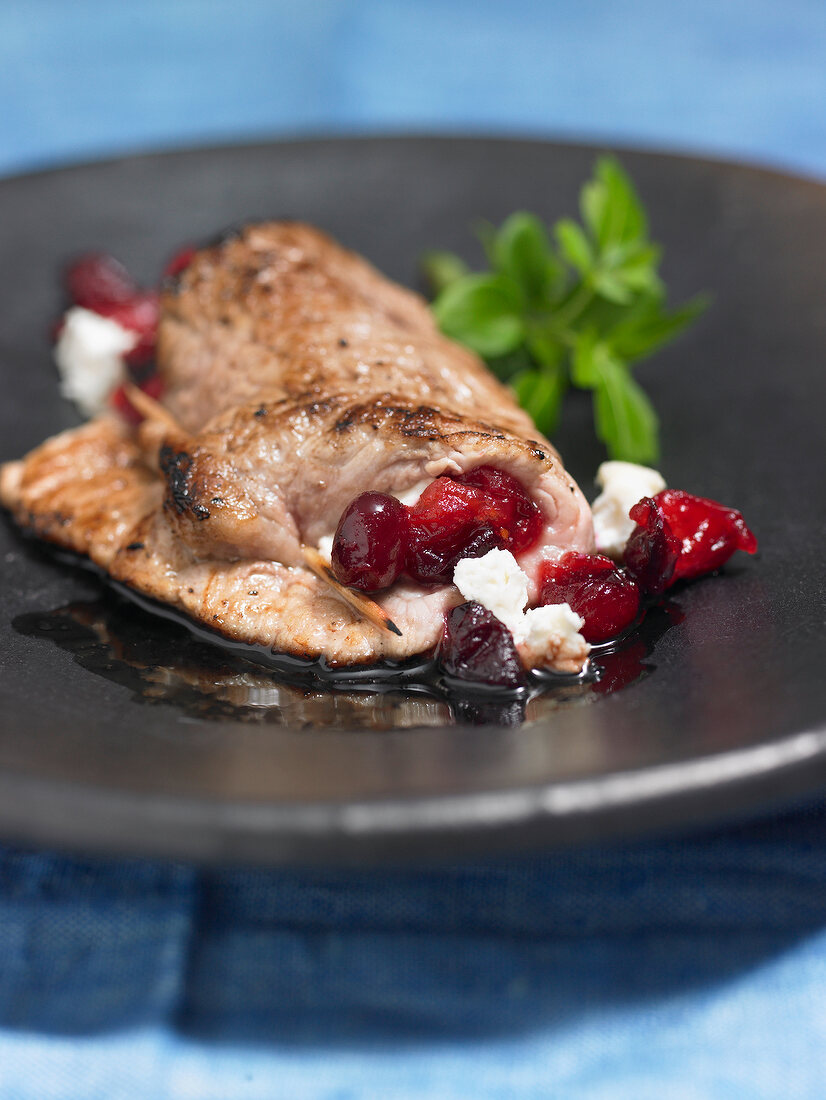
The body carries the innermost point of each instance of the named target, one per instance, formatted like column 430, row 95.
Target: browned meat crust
column 282, row 310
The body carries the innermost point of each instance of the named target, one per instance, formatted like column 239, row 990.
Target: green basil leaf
column 584, row 367
column 506, row 366
column 522, row 252
column 540, row 393
column 482, row 312
column 440, row 269
column 593, row 202
column 649, row 326
column 611, row 286
column 624, row 418
column 621, row 215
column 575, row 312
column 641, row 279
column 574, row 245
column 544, row 346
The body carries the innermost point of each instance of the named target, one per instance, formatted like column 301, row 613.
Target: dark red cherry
column 102, row 284
column 448, row 522
column 96, row 281
column 466, row 516
column 512, row 512
column 477, row 646
column 709, row 533
column 139, row 315
column 370, row 542
column 607, row 598
column 652, row 549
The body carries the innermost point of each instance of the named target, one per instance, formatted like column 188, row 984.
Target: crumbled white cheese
column 555, row 620
column 411, row 495
column 89, row 356
column 622, row 484
column 497, row 583
column 325, row 547
column 544, row 635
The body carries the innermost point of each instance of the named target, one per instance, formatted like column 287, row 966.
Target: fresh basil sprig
column 575, row 311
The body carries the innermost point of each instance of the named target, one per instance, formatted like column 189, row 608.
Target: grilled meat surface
column 281, row 310
column 300, row 377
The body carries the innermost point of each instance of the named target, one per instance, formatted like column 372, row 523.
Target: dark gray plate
column 120, row 733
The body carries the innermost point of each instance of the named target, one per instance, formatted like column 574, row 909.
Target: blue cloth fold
column 603, row 964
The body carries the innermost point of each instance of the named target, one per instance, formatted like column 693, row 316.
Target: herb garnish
column 576, row 314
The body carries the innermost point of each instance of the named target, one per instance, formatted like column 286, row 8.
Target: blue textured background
column 85, row 78
column 689, row 969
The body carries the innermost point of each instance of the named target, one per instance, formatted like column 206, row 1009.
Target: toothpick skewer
column 365, row 607
column 150, row 408
column 153, row 410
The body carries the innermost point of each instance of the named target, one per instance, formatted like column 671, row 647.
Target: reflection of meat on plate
column 300, row 377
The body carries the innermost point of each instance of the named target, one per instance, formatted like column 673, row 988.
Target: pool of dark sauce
column 162, row 657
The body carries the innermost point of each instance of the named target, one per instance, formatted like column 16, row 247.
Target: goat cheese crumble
column 89, row 356
column 325, row 547
column 497, row 583
column 622, row 484
column 554, row 620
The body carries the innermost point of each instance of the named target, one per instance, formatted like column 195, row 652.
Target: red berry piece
column 370, row 542
column 709, row 532
column 140, row 315
column 652, row 549
column 482, row 541
column 476, row 646
column 518, row 519
column 120, row 402
column 447, row 520
column 607, row 598
column 97, row 282
column 179, row 262
column 466, row 516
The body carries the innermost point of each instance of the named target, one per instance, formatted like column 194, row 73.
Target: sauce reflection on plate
column 163, row 662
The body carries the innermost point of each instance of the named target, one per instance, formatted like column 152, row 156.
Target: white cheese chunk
column 622, row 484
column 89, row 356
column 325, row 547
column 545, row 636
column 497, row 583
column 555, row 620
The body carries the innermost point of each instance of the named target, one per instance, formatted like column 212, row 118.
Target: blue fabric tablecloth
column 690, row 969
column 694, row 968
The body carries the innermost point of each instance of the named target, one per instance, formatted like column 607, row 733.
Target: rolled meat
column 298, row 378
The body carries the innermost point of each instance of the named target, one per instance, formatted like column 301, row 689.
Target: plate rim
column 596, row 145
column 533, row 819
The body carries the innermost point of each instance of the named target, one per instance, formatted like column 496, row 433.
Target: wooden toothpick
column 365, row 607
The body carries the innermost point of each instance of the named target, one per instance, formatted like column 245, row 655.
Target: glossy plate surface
column 119, row 732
